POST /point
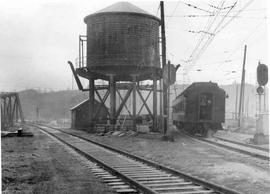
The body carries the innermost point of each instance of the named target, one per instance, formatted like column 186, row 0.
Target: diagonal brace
column 123, row 103
column 102, row 102
column 144, row 102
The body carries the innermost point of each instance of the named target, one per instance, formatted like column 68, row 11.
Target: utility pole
column 236, row 100
column 247, row 103
column 264, row 100
column 175, row 93
column 242, row 89
column 163, row 46
column 169, row 93
column 37, row 113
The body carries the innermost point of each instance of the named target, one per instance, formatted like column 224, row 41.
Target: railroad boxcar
column 200, row 108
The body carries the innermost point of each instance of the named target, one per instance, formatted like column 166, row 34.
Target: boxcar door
column 205, row 106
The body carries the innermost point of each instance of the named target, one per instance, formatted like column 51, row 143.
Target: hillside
column 56, row 105
column 51, row 105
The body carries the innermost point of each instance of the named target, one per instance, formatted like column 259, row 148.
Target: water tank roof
column 122, row 7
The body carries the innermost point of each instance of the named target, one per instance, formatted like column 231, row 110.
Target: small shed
column 80, row 114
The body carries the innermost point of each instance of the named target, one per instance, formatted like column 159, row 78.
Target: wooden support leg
column 112, row 100
column 102, row 103
column 91, row 102
column 143, row 104
column 134, row 103
column 154, row 104
column 123, row 103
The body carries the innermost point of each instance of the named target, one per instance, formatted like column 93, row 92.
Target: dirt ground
column 235, row 171
column 40, row 165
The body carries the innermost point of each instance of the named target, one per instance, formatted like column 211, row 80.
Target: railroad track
column 243, row 144
column 127, row 173
column 251, row 150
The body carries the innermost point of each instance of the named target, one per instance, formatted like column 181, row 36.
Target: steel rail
column 257, row 155
column 109, row 168
column 246, row 152
column 243, row 144
column 195, row 180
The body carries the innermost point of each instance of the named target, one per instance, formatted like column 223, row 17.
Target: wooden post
column 154, row 103
column 91, row 102
column 247, row 104
column 169, row 94
column 160, row 105
column 134, row 103
column 236, row 100
column 260, row 101
column 112, row 100
column 1, row 115
column 264, row 99
column 242, row 89
column 163, row 46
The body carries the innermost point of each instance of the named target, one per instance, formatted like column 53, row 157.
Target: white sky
column 37, row 38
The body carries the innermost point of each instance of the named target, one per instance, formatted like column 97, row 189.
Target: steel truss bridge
column 11, row 110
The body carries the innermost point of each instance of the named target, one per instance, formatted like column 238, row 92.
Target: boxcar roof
column 196, row 84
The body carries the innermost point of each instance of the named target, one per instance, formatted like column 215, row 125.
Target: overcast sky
column 37, row 38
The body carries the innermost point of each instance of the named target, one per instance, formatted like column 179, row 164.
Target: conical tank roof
column 122, row 7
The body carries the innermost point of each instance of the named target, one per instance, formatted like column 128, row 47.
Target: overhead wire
column 218, row 30
column 256, row 28
column 195, row 7
column 239, row 11
column 210, row 38
column 241, row 44
column 207, row 28
column 208, row 41
column 212, row 15
column 158, row 9
column 173, row 12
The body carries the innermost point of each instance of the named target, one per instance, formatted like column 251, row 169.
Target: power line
column 195, row 7
column 242, row 42
column 173, row 12
column 212, row 15
column 246, row 39
column 209, row 40
column 239, row 11
column 158, row 9
column 251, row 10
column 207, row 28
column 221, row 8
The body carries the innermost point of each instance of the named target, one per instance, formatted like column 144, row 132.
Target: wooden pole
column 160, row 105
column 163, row 46
column 242, row 89
column 169, row 94
column 91, row 102
column 134, row 103
column 154, row 103
column 112, row 100
column 260, row 103
column 247, row 107
column 236, row 100
column 264, row 100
